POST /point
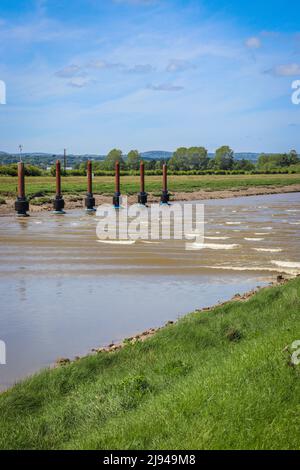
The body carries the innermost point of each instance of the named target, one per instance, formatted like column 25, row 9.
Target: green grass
column 214, row 380
column 42, row 186
column 39, row 201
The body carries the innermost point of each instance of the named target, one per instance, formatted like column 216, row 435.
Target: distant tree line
column 12, row 170
column 273, row 161
column 193, row 160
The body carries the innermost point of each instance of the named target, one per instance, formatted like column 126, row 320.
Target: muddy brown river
column 63, row 292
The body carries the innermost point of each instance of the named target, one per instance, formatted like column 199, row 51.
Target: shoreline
column 239, row 352
column 281, row 279
column 71, row 203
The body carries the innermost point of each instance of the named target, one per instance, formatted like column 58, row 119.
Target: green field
column 130, row 184
column 219, row 379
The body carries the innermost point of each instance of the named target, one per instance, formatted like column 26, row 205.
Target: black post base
column 117, row 199
column 142, row 198
column 21, row 207
column 58, row 204
column 90, row 202
column 165, row 197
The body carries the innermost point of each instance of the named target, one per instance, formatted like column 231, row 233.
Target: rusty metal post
column 165, row 194
column 89, row 200
column 117, row 195
column 58, row 202
column 142, row 196
column 21, row 203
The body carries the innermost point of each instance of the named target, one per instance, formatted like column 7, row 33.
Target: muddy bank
column 76, row 202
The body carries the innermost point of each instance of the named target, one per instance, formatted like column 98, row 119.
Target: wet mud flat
column 63, row 292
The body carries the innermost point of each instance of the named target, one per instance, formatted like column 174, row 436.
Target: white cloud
column 253, row 42
column 141, row 68
column 69, row 71
column 286, row 70
column 102, row 65
column 165, row 87
column 79, row 82
column 106, row 60
column 179, row 65
column 40, row 29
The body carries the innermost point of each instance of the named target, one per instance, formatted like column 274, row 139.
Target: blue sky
column 90, row 75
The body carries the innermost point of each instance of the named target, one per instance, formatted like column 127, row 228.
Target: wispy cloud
column 79, row 82
column 179, row 65
column 253, row 43
column 103, row 65
column 105, row 61
column 165, row 87
column 70, row 71
column 40, row 29
column 141, row 68
column 75, row 70
column 285, row 70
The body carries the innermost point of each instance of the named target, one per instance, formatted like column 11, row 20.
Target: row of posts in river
column 22, row 204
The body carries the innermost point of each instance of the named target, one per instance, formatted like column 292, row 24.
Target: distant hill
column 156, row 155
column 252, row 156
column 44, row 159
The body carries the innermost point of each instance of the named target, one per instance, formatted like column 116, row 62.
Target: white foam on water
column 292, row 210
column 286, row 264
column 217, row 238
column 253, row 239
column 38, row 222
column 294, row 223
column 211, row 246
column 233, row 223
column 261, row 233
column 270, row 250
column 254, row 268
column 266, row 228
column 117, row 242
column 190, row 236
column 148, row 242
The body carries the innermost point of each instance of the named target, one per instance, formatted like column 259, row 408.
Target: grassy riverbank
column 130, row 184
column 216, row 379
